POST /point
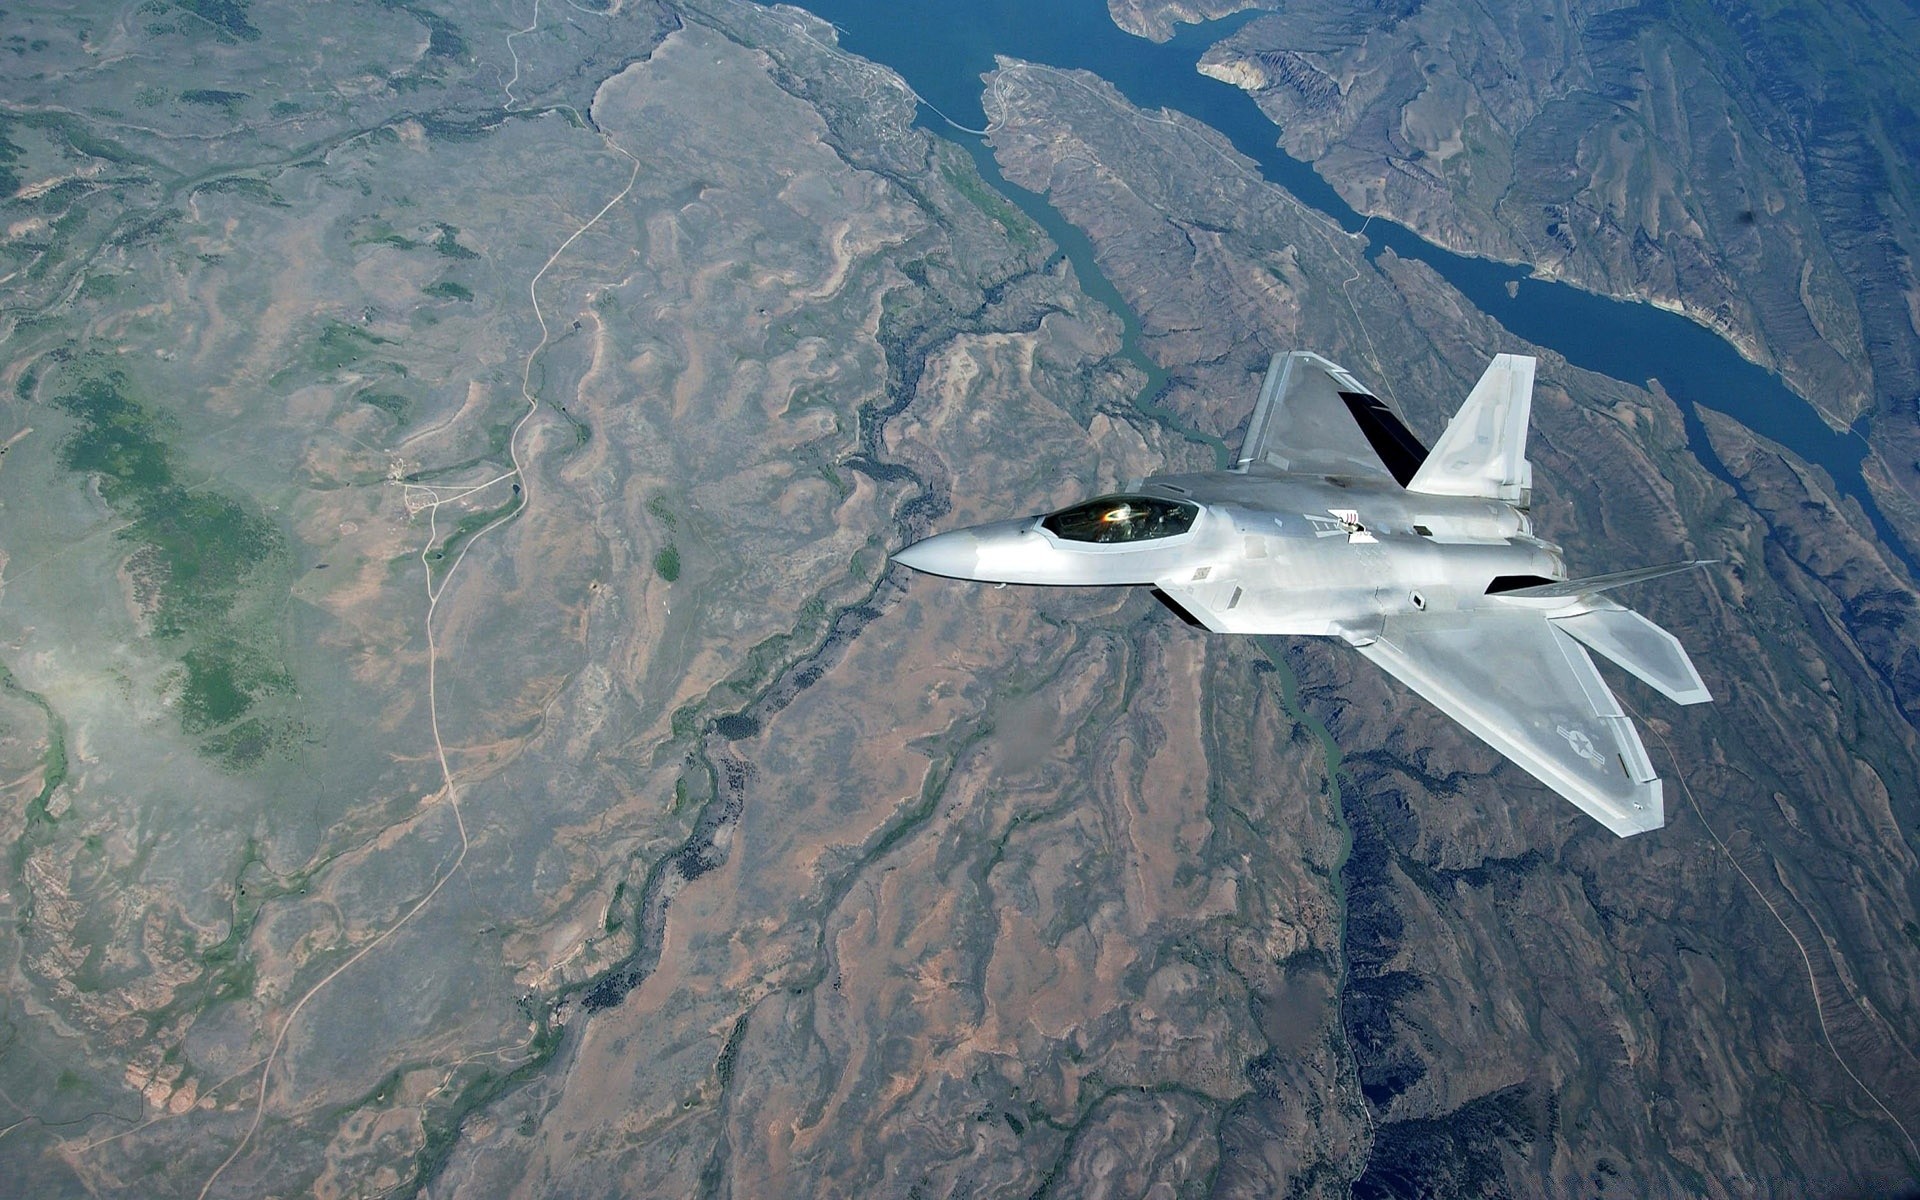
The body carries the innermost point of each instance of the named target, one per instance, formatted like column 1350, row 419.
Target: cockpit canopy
column 1110, row 519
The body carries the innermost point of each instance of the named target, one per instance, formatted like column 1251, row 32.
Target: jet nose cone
column 955, row 555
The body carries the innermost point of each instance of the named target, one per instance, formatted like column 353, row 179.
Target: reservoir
column 941, row 49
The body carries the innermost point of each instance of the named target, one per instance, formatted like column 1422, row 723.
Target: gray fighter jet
column 1337, row 522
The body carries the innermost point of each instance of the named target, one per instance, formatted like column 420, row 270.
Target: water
column 941, row 49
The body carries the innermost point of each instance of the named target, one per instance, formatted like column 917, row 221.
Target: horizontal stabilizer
column 1593, row 585
column 1484, row 450
column 1529, row 690
column 1643, row 649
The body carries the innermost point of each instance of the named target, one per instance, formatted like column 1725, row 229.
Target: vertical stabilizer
column 1484, row 450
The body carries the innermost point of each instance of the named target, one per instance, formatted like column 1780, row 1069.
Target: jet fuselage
column 1338, row 522
column 1334, row 556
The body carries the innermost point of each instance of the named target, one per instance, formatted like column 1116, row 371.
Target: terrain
column 415, row 485
column 460, row 733
column 1749, row 167
column 1516, row 982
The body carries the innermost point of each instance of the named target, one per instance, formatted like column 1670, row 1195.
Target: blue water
column 942, row 48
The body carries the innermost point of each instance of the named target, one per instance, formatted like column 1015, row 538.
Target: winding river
column 942, row 49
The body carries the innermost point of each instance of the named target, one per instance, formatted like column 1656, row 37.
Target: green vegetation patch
column 241, row 185
column 445, row 50
column 100, row 287
column 53, row 769
column 448, row 243
column 229, row 102
column 243, row 745
column 394, row 405
column 661, row 512
column 9, row 154
column 1020, row 229
column 248, row 743
column 119, row 441
column 216, row 691
column 471, row 526
column 197, row 561
column 228, row 17
column 444, row 129
column 684, row 721
column 379, row 233
column 137, row 233
column 666, row 564
column 75, row 132
column 443, row 36
column 341, row 344
column 447, row 289
column 614, row 920
column 227, row 967
column 472, row 1089
column 769, row 656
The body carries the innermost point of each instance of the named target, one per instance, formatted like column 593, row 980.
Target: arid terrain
column 1749, row 168
column 460, row 733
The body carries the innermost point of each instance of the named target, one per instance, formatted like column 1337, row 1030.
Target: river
column 942, row 48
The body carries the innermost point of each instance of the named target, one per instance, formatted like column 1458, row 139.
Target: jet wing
column 1531, row 692
column 1315, row 418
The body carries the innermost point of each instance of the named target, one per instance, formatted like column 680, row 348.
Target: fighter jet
column 1337, row 522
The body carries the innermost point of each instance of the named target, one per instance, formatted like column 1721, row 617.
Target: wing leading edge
column 1529, row 690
